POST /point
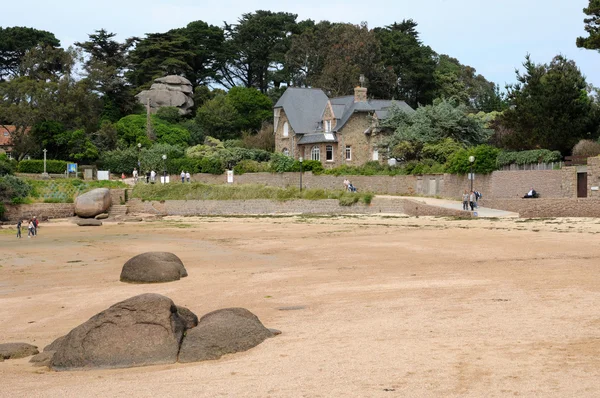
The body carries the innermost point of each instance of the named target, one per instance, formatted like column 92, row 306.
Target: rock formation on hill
column 169, row 91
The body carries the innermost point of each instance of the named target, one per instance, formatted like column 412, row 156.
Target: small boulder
column 143, row 330
column 153, row 267
column 190, row 319
column 42, row 359
column 92, row 203
column 222, row 332
column 17, row 350
column 102, row 216
column 88, row 222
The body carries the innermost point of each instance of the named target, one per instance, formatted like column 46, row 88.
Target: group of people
column 348, row 186
column 150, row 176
column 470, row 199
column 185, row 176
column 32, row 227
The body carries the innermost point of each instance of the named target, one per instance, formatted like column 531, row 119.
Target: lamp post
column 301, row 171
column 139, row 145
column 471, row 161
column 164, row 157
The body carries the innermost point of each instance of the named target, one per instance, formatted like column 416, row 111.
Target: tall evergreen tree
column 592, row 27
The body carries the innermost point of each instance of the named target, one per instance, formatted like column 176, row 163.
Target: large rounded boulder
column 142, row 330
column 223, row 332
column 92, row 203
column 153, row 267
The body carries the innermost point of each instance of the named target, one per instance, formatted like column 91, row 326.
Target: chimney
column 360, row 94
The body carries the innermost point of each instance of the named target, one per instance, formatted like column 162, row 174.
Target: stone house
column 6, row 145
column 336, row 131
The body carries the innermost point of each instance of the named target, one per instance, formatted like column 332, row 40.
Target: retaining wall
column 547, row 207
column 265, row 206
column 42, row 211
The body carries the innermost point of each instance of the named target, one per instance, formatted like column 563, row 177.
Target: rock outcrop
column 153, row 267
column 17, row 350
column 169, row 91
column 92, row 203
column 223, row 332
column 88, row 222
column 142, row 330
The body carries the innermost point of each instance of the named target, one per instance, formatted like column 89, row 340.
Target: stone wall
column 593, row 180
column 260, row 206
column 547, row 207
column 497, row 185
column 42, row 211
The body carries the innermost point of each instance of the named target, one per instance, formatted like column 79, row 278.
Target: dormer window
column 327, row 126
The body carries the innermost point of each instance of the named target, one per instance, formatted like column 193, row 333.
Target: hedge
column 528, row 157
column 37, row 166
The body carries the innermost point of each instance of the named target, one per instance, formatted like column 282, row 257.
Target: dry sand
column 391, row 307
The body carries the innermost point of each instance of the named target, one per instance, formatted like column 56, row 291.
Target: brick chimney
column 360, row 94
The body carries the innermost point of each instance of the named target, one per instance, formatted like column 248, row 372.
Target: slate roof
column 316, row 138
column 303, row 108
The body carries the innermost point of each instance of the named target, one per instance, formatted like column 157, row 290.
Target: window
column 6, row 133
column 286, row 129
column 348, row 152
column 327, row 126
column 286, row 152
column 329, row 153
column 375, row 154
column 315, row 153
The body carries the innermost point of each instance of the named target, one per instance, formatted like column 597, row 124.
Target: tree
column 549, row 107
column 592, row 27
column 14, row 44
column 218, row 118
column 256, row 48
column 105, row 66
column 333, row 56
column 413, row 63
column 252, row 106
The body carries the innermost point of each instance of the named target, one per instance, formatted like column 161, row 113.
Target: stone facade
column 43, row 211
column 262, row 207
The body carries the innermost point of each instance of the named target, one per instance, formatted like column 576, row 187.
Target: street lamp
column 301, row 171
column 471, row 161
column 164, row 157
column 139, row 145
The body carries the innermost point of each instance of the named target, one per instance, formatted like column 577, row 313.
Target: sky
column 491, row 36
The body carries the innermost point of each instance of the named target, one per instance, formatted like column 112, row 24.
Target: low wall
column 544, row 207
column 42, row 211
column 265, row 206
column 499, row 184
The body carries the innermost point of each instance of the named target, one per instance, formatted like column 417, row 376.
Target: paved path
column 456, row 205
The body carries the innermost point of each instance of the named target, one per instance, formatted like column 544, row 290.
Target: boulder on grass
column 222, row 332
column 88, row 222
column 153, row 267
column 17, row 350
column 92, row 203
column 142, row 330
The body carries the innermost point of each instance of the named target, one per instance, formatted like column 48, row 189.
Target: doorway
column 582, row 185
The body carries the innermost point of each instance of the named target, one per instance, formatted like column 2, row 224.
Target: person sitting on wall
column 530, row 194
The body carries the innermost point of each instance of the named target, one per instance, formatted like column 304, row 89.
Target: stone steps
column 117, row 210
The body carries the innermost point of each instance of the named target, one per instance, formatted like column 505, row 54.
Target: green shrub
column 7, row 166
column 251, row 166
column 281, row 163
column 348, row 199
column 13, row 188
column 53, row 200
column 528, row 157
column 37, row 166
column 485, row 160
column 367, row 198
column 2, row 211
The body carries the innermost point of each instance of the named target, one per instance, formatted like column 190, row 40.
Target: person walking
column 35, row 225
column 19, row 228
column 188, row 176
column 147, row 177
column 182, row 175
column 472, row 200
column 135, row 175
column 30, row 229
column 346, row 184
column 465, row 200
column 152, row 176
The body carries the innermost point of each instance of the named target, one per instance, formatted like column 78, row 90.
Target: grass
column 199, row 191
column 64, row 190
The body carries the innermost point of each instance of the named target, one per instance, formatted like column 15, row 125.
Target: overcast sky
column 491, row 36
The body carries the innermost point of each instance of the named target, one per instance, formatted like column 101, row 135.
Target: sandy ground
column 392, row 306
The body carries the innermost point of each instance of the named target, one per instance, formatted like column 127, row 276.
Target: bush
column 485, row 160
column 587, row 148
column 37, row 166
column 2, row 211
column 528, row 157
column 7, row 166
column 251, row 166
column 119, row 161
column 14, row 189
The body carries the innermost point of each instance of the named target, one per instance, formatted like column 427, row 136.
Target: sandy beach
column 368, row 306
